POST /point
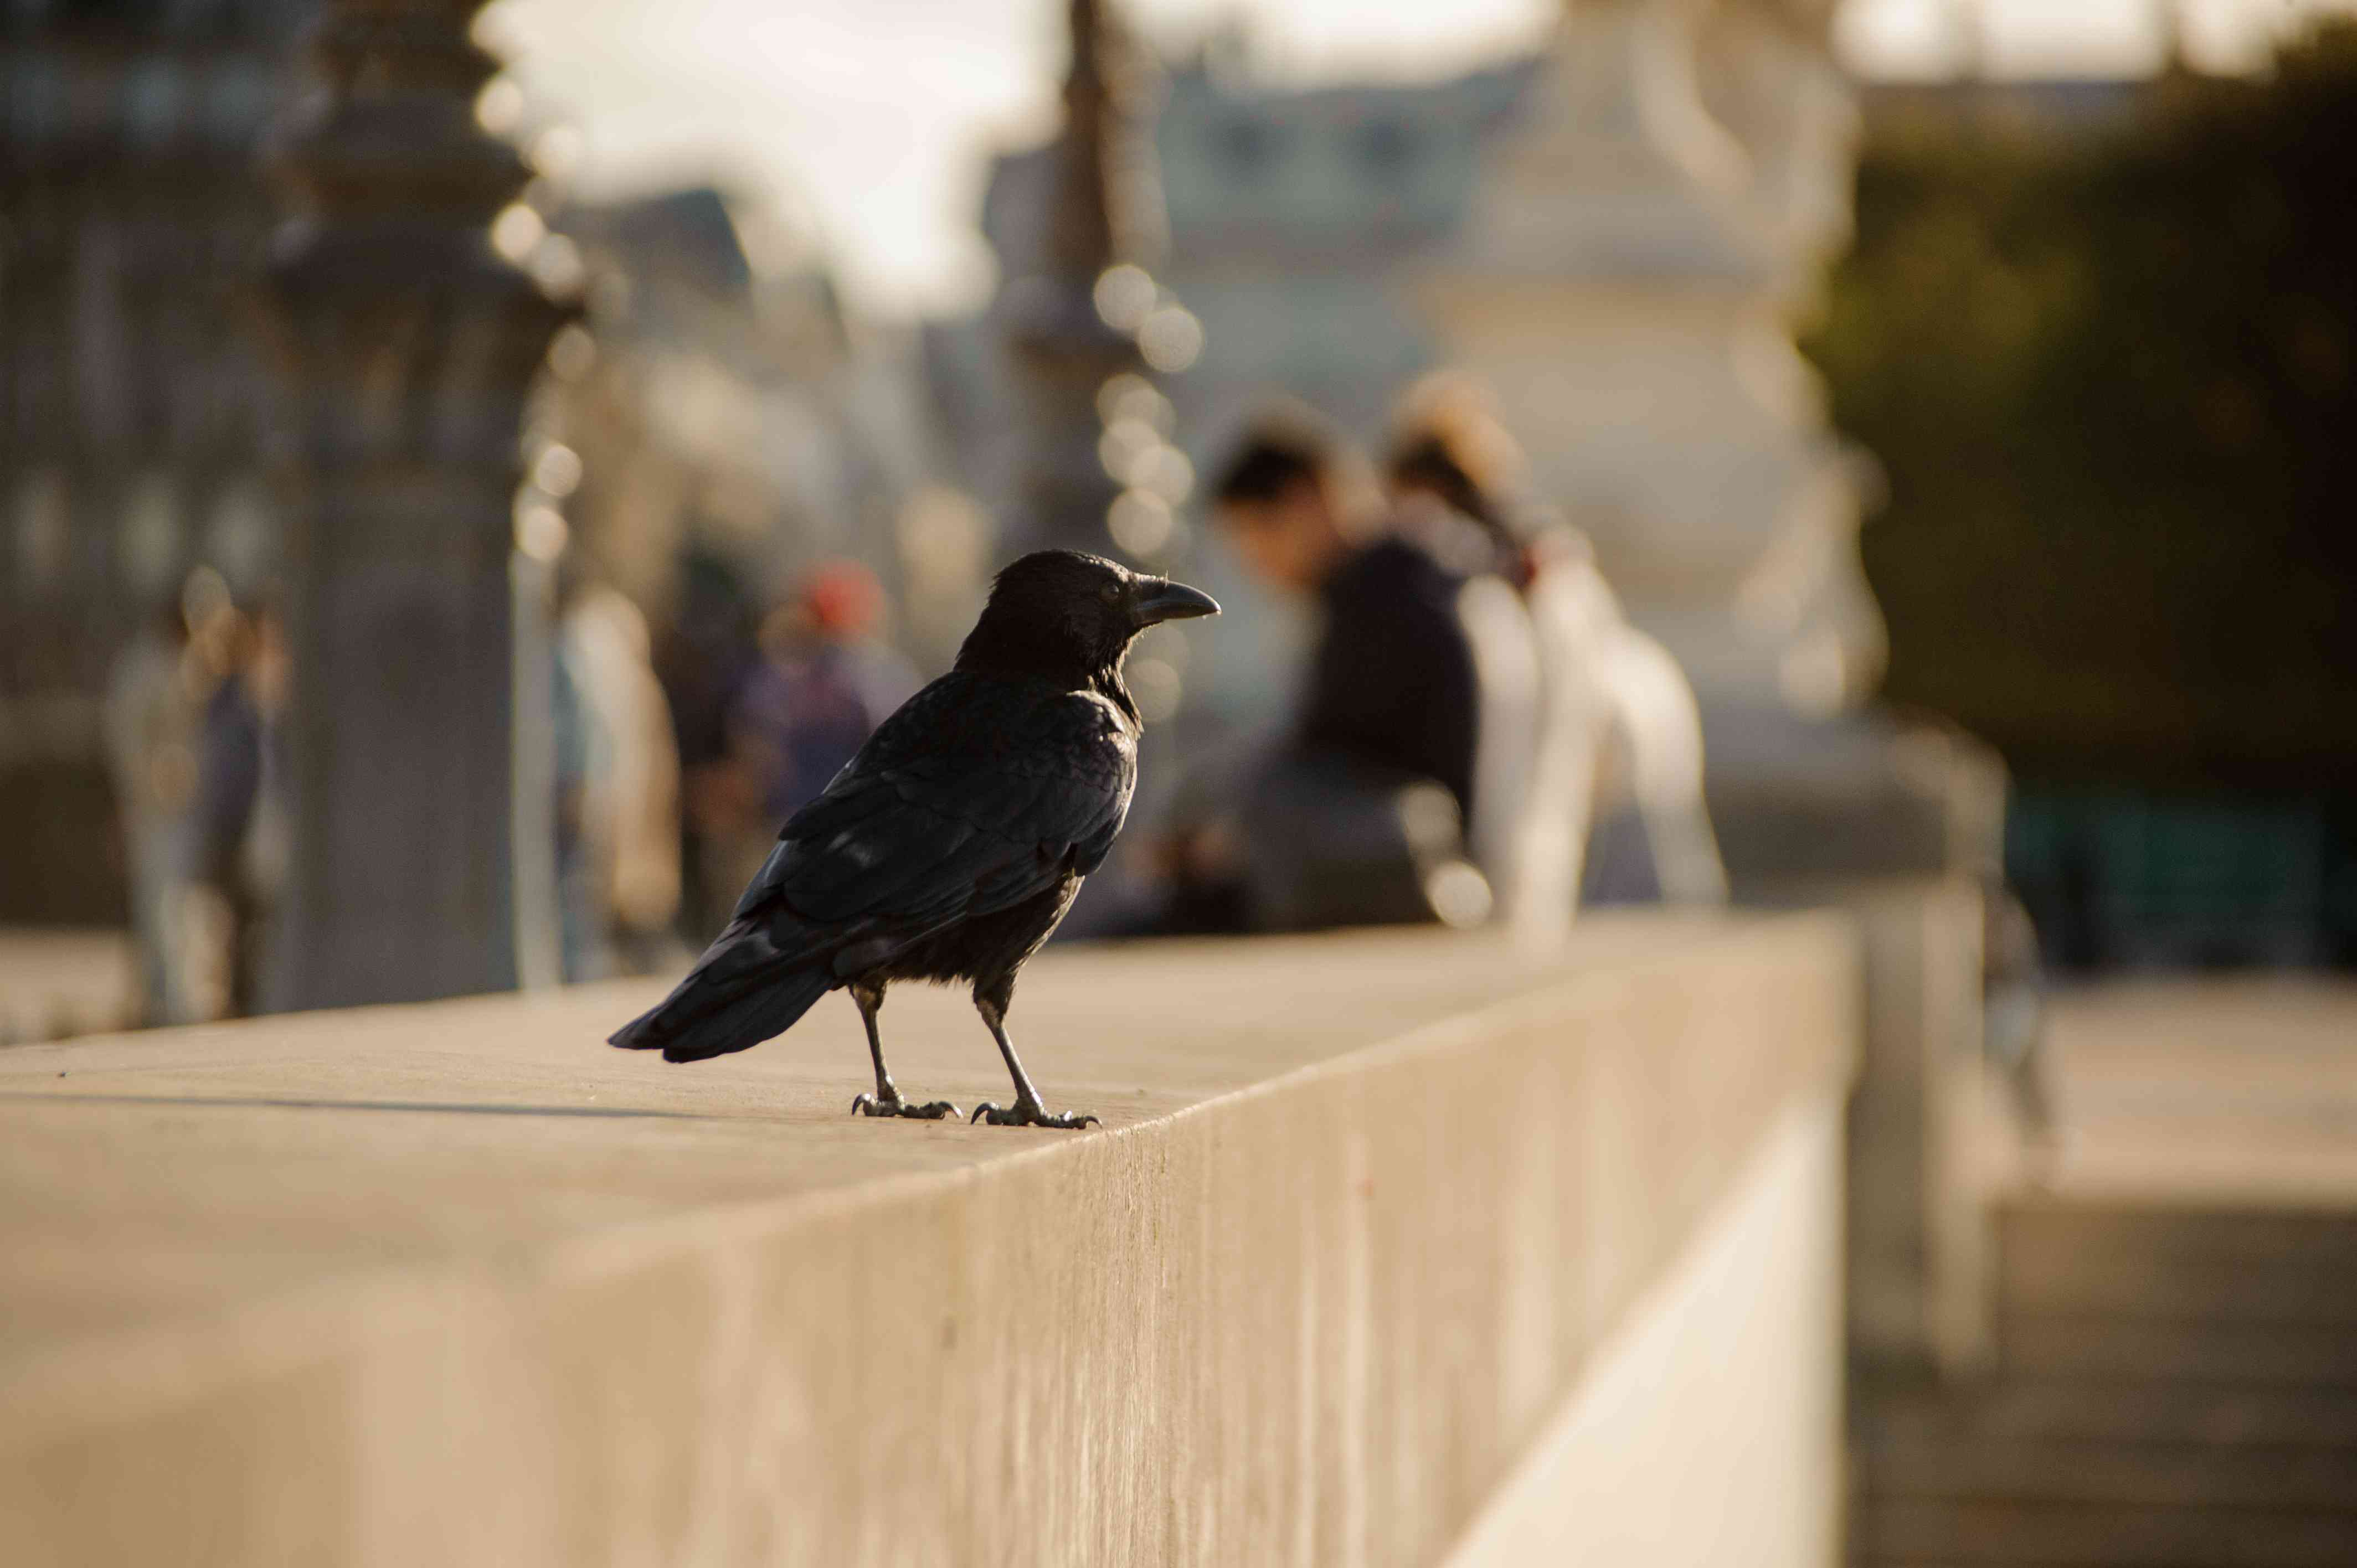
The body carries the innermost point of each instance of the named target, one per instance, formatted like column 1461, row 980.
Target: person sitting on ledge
column 1392, row 679
column 1355, row 813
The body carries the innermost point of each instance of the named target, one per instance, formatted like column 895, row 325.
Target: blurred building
column 1077, row 313
column 721, row 423
column 1293, row 216
column 1614, row 234
column 736, row 411
column 719, row 407
column 132, row 224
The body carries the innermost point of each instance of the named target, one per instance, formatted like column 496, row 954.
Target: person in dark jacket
column 1392, row 681
column 1355, row 811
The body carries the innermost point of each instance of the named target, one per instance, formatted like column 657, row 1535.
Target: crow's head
column 1063, row 614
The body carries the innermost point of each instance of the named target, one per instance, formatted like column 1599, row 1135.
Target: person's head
column 1447, row 443
column 844, row 600
column 837, row 601
column 1294, row 498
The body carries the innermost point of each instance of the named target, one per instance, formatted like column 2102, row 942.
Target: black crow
column 951, row 846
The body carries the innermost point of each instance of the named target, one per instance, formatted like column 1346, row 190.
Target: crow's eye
column 1110, row 592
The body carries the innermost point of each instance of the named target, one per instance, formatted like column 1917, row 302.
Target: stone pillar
column 1081, row 324
column 407, row 345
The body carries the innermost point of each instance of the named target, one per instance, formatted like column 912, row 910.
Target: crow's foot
column 1028, row 1113
column 893, row 1105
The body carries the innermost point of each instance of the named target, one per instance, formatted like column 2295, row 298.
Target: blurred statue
column 1613, row 810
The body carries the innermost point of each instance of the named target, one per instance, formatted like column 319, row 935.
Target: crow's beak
column 1157, row 599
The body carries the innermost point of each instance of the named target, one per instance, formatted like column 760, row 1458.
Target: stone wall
column 1372, row 1219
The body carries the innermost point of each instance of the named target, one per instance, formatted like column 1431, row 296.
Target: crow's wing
column 979, row 793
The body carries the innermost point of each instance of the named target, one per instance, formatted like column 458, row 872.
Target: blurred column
column 407, row 344
column 1086, row 322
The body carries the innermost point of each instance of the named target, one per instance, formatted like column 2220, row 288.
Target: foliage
column 2113, row 379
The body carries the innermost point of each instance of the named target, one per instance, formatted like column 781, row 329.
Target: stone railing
column 1394, row 1248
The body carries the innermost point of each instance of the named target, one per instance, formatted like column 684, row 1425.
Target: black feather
column 954, row 842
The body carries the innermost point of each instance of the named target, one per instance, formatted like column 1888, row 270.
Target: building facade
column 133, row 403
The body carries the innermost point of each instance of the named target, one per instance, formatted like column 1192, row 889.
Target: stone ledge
column 456, row 1282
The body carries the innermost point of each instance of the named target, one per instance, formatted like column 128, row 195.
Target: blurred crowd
column 765, row 710
column 191, row 710
column 675, row 760
column 1478, row 732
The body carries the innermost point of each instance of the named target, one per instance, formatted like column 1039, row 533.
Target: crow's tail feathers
column 741, row 992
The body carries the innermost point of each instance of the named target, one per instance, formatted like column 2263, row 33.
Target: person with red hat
column 825, row 681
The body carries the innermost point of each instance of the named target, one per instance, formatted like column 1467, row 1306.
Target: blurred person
column 1358, row 811
column 1448, row 450
column 233, row 845
column 1392, row 677
column 619, row 819
column 1452, row 472
column 827, row 678
column 151, row 715
column 704, row 648
column 1616, row 811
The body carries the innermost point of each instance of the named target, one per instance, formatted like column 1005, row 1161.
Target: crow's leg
column 1027, row 1110
column 887, row 1100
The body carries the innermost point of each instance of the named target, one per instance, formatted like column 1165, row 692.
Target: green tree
column 2112, row 379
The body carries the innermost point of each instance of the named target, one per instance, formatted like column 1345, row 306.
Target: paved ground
column 2173, row 1384
column 2221, row 1089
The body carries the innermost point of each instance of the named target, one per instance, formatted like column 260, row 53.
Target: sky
column 868, row 125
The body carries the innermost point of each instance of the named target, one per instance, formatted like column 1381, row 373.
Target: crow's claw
column 1028, row 1113
column 869, row 1105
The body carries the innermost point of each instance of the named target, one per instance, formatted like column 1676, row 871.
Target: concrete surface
column 2217, row 1089
column 454, row 1282
column 1707, row 1428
